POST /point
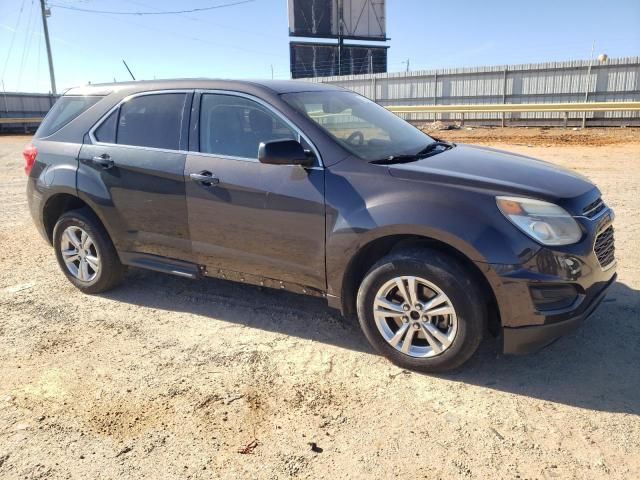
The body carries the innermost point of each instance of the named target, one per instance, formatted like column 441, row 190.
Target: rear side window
column 63, row 111
column 151, row 121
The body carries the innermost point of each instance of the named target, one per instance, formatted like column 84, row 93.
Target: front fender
column 363, row 207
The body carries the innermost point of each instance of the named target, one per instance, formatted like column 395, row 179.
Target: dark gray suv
column 317, row 190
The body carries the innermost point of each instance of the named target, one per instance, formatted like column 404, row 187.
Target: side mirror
column 283, row 152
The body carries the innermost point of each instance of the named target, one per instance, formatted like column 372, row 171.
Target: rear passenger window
column 235, row 126
column 106, row 132
column 152, row 121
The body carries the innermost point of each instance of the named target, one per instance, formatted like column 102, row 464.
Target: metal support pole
column 48, row 44
column 566, row 119
column 504, row 94
column 586, row 84
column 435, row 93
column 340, row 40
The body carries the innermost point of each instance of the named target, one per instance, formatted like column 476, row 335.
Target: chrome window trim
column 259, row 101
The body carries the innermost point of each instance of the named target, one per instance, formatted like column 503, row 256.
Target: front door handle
column 103, row 160
column 205, row 178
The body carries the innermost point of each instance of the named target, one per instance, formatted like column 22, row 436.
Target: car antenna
column 128, row 69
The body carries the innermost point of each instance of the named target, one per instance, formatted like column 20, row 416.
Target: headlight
column 545, row 222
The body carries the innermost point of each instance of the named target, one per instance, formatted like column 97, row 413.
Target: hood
column 487, row 168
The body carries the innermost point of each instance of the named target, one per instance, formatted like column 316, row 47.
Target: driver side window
column 235, row 126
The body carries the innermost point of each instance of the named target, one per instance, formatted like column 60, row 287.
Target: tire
column 435, row 273
column 101, row 275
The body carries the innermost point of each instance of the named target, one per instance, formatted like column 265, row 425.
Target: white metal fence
column 616, row 80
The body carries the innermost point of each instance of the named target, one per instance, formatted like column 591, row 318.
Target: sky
column 249, row 40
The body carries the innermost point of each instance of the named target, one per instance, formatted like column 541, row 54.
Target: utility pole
column 45, row 13
column 271, row 71
column 407, row 62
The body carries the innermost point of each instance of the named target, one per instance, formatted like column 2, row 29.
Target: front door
column 134, row 168
column 245, row 216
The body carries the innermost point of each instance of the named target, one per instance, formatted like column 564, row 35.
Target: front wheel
column 422, row 310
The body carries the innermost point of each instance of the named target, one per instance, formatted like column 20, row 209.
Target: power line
column 13, row 37
column 208, row 22
column 26, row 49
column 184, row 36
column 111, row 12
column 38, row 62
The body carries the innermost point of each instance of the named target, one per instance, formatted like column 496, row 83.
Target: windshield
column 363, row 127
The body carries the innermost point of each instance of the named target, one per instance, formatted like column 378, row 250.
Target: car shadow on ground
column 597, row 367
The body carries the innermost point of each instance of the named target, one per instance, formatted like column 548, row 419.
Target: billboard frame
column 338, row 46
column 340, row 20
column 298, row 19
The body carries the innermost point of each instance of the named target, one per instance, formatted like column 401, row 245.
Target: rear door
column 133, row 169
column 264, row 220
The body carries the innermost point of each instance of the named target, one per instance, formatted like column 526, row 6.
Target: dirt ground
column 170, row 378
column 538, row 137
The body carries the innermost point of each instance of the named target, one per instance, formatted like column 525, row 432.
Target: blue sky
column 244, row 41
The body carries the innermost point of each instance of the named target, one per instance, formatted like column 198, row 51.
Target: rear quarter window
column 64, row 111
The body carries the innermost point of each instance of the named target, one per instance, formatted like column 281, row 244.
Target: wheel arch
column 371, row 252
column 59, row 204
column 55, row 207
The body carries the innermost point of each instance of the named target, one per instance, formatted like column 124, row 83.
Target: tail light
column 29, row 153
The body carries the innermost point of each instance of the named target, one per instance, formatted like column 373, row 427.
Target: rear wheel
column 85, row 252
column 422, row 310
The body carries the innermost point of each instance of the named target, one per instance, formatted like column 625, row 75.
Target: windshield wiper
column 412, row 157
column 391, row 159
column 433, row 145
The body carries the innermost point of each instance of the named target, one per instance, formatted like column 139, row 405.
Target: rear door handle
column 205, row 178
column 103, row 160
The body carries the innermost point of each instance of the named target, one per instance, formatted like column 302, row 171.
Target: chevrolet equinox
column 317, row 190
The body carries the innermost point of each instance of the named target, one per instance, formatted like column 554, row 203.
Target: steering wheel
column 356, row 135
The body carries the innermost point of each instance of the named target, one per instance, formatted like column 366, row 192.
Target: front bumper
column 529, row 339
column 528, row 323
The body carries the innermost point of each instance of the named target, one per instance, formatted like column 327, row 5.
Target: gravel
column 170, row 378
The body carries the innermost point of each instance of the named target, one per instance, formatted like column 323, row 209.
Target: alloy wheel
column 415, row 316
column 80, row 254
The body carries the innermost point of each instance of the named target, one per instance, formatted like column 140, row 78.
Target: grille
column 594, row 208
column 604, row 247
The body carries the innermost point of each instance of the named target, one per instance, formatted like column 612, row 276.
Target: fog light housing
column 553, row 297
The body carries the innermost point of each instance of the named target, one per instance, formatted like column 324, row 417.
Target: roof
column 275, row 86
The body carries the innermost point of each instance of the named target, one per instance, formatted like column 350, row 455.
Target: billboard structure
column 347, row 19
column 341, row 20
column 310, row 59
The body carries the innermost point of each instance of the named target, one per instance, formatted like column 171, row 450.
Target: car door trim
column 258, row 100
